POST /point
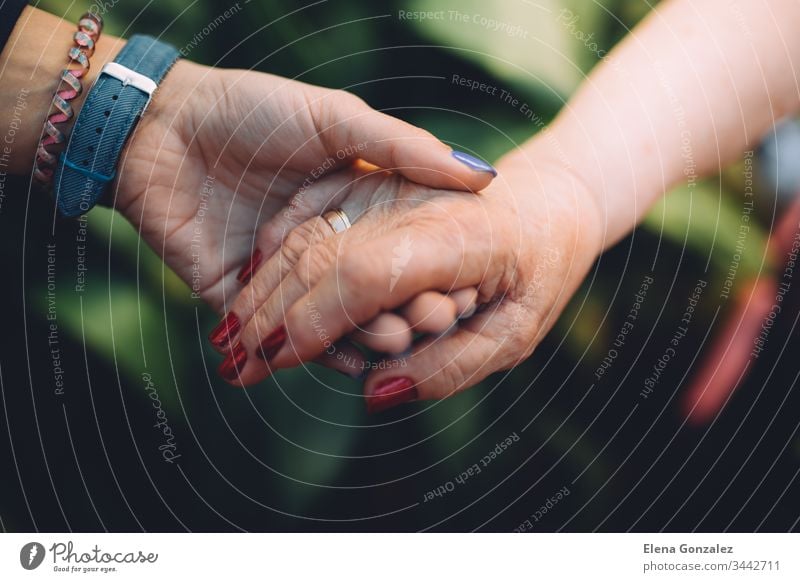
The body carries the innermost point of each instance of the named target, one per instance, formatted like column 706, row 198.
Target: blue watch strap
column 114, row 104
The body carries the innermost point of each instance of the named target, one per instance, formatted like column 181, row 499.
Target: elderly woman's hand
column 525, row 242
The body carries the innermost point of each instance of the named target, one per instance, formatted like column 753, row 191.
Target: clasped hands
column 458, row 270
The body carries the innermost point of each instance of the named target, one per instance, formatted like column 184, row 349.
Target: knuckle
column 297, row 242
column 450, row 224
column 361, row 278
column 292, row 249
column 521, row 350
column 259, row 327
column 313, row 263
column 516, row 350
column 347, row 98
column 334, row 103
column 452, row 377
column 252, row 296
column 271, row 236
column 513, row 335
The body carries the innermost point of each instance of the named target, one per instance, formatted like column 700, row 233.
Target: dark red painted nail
column 249, row 269
column 390, row 393
column 232, row 365
column 272, row 344
column 225, row 333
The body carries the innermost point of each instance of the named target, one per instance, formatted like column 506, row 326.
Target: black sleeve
column 9, row 14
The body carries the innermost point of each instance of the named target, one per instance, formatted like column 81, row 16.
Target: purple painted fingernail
column 474, row 163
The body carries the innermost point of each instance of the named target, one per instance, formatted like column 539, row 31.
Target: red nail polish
column 272, row 344
column 232, row 365
column 249, row 269
column 390, row 393
column 225, row 333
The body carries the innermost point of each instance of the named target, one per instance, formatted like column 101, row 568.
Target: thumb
column 359, row 131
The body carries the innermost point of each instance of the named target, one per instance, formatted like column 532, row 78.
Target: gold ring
column 337, row 219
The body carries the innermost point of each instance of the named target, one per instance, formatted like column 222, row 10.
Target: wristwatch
column 115, row 102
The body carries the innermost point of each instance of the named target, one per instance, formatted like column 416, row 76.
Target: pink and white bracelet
column 70, row 86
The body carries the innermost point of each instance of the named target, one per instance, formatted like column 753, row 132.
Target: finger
column 345, row 358
column 281, row 242
column 430, row 312
column 388, row 333
column 466, row 301
column 359, row 131
column 363, row 285
column 272, row 293
column 333, row 191
column 440, row 367
column 309, row 202
column 265, row 279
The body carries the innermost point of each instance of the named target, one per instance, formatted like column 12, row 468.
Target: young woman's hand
column 219, row 151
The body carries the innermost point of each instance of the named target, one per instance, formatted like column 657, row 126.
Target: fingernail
column 474, row 163
column 249, row 269
column 390, row 393
column 469, row 312
column 232, row 365
column 226, row 331
column 272, row 344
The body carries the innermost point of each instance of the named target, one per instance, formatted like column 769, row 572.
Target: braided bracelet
column 70, row 86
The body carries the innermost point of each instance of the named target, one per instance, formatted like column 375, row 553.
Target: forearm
column 691, row 88
column 30, row 68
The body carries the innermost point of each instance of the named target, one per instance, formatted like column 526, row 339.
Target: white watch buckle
column 130, row 77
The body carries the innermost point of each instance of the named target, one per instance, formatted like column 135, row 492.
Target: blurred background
column 589, row 450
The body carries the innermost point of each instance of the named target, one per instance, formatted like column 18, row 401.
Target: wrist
column 546, row 185
column 179, row 95
column 113, row 108
column 166, row 130
column 30, row 71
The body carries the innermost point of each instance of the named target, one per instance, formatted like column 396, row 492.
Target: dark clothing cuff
column 9, row 14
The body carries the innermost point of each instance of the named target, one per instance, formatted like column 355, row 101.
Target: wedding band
column 337, row 219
